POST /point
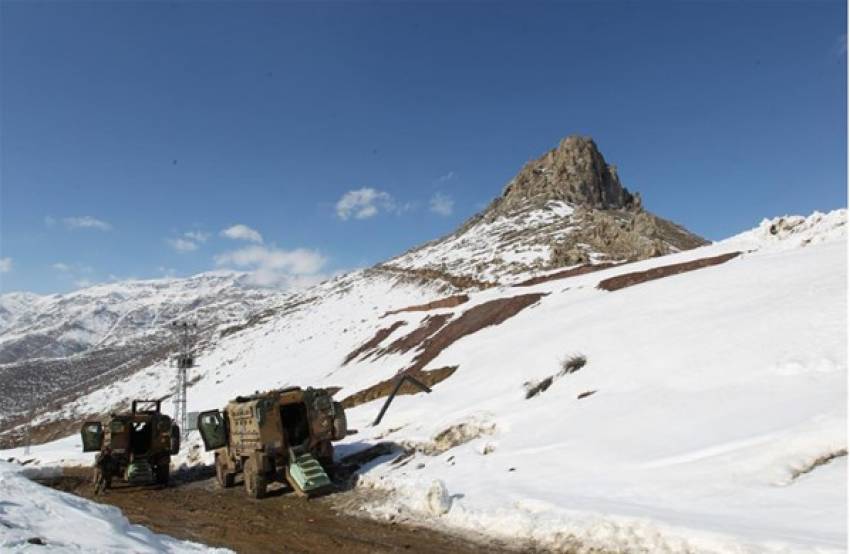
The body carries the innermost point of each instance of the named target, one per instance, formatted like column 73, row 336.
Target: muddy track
column 201, row 511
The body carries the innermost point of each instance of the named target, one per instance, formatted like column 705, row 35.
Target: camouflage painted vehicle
column 284, row 432
column 136, row 447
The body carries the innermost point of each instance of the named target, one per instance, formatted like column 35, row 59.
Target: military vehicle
column 135, row 447
column 283, row 431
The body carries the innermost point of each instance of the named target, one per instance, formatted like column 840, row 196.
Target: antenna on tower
column 185, row 360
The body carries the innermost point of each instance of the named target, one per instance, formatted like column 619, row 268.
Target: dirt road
column 200, row 511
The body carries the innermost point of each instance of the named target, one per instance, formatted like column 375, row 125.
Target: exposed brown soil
column 581, row 270
column 383, row 389
column 201, row 511
column 428, row 276
column 638, row 277
column 373, row 343
column 449, row 302
column 265, row 315
column 474, row 319
column 429, row 326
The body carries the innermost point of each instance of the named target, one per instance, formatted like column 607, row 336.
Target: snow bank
column 31, row 514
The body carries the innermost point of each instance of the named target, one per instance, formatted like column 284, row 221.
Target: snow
column 67, row 451
column 508, row 246
column 113, row 313
column 714, row 389
column 68, row 523
column 794, row 231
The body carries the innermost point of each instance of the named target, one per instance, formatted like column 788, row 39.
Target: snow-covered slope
column 710, row 415
column 53, row 348
column 13, row 305
column 34, row 518
column 505, row 248
column 111, row 314
column 509, row 247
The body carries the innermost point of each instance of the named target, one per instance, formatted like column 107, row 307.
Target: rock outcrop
column 575, row 172
column 565, row 208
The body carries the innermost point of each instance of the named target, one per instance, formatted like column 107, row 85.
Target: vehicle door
column 212, row 428
column 92, row 435
column 175, row 439
column 119, row 435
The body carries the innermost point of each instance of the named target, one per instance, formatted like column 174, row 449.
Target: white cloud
column 83, row 222
column 59, row 266
column 270, row 266
column 242, row 232
column 197, row 236
column 450, row 176
column 189, row 241
column 442, row 204
column 367, row 202
column 5, row 265
column 299, row 261
column 182, row 245
column 83, row 283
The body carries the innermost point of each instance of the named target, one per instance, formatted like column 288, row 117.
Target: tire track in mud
column 200, row 511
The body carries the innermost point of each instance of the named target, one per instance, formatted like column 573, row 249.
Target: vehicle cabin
column 135, row 446
column 286, row 431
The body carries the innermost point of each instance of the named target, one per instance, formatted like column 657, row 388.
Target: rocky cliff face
column 565, row 208
column 576, row 173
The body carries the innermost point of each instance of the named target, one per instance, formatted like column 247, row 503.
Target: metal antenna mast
column 28, row 428
column 185, row 360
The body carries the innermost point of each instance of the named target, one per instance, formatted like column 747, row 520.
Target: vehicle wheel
column 225, row 478
column 162, row 471
column 255, row 482
column 325, row 454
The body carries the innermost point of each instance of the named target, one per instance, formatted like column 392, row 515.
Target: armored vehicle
column 135, row 447
column 284, row 432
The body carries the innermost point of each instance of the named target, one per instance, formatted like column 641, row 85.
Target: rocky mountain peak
column 574, row 172
column 567, row 207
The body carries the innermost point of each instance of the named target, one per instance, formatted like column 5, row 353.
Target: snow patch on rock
column 794, row 231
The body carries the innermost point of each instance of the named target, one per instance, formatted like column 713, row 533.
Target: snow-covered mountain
column 52, row 348
column 694, row 402
column 58, row 325
column 602, row 379
column 567, row 207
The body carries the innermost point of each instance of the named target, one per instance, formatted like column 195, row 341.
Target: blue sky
column 153, row 138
